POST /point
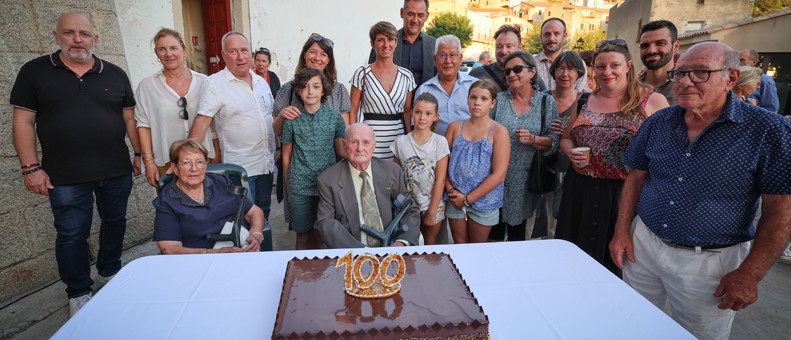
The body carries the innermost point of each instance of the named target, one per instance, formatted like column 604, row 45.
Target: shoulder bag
column 543, row 175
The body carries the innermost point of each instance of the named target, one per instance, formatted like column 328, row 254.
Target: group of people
column 663, row 195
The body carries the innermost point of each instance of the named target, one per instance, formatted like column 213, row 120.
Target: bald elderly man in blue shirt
column 687, row 206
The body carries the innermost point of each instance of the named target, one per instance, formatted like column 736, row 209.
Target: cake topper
column 375, row 285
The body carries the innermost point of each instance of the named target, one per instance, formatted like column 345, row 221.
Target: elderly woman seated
column 197, row 204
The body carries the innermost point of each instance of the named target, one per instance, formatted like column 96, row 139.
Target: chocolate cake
column 434, row 302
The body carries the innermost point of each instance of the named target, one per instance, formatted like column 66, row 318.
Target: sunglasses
column 317, row 37
column 616, row 42
column 183, row 114
column 262, row 50
column 517, row 69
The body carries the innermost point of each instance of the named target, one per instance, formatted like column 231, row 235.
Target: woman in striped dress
column 386, row 91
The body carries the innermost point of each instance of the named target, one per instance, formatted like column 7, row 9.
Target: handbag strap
column 362, row 93
column 543, row 108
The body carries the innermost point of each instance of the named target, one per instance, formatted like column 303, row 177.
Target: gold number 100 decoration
column 377, row 284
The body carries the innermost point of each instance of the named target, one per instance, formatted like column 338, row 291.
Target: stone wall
column 27, row 236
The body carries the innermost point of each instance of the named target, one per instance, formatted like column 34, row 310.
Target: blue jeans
column 72, row 207
column 261, row 187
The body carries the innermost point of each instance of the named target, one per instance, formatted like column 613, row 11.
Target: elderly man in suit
column 361, row 190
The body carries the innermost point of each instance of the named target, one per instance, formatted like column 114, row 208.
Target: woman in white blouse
column 167, row 103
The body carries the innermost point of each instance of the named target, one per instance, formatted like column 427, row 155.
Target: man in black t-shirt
column 81, row 108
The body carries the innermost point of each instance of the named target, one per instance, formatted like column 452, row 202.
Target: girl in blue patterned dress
column 479, row 150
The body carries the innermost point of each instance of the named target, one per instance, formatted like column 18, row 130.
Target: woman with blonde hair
column 604, row 125
column 167, row 103
column 749, row 81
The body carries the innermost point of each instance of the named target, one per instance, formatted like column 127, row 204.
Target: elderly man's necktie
column 371, row 216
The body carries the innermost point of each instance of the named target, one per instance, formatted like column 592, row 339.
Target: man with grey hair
column 80, row 107
column 687, row 206
column 766, row 94
column 449, row 86
column 413, row 49
column 484, row 59
column 361, row 191
column 240, row 102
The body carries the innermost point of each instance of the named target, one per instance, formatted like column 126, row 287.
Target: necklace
column 199, row 199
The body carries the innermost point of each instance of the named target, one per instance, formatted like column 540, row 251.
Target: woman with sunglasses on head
column 166, row 104
column 382, row 91
column 520, row 110
column 317, row 53
column 262, row 59
column 605, row 124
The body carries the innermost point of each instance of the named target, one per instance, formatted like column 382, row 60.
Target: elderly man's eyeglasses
column 616, row 42
column 452, row 57
column 183, row 114
column 318, row 37
column 517, row 69
column 696, row 76
column 187, row 164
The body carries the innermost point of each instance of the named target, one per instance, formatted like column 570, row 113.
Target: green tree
column 451, row 23
column 590, row 39
column 531, row 42
column 763, row 7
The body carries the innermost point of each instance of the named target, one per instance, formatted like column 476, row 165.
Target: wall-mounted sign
column 194, row 40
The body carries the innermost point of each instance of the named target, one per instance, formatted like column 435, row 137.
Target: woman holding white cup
column 605, row 124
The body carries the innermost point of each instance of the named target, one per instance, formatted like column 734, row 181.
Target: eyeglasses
column 183, row 114
column 616, row 42
column 262, row 50
column 696, row 76
column 517, row 69
column 452, row 57
column 564, row 70
column 187, row 164
column 318, row 37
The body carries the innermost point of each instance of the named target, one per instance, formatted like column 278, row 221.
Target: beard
column 546, row 48
column 76, row 57
column 657, row 64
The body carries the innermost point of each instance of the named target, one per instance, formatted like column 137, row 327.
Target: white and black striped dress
column 383, row 111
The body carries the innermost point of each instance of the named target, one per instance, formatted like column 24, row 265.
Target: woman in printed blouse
column 605, row 124
column 519, row 109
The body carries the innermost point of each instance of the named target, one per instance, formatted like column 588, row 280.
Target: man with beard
column 658, row 44
column 414, row 49
column 508, row 39
column 553, row 34
column 81, row 108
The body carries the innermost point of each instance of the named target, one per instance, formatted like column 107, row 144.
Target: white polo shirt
column 242, row 120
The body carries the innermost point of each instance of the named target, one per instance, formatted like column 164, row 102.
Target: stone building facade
column 27, row 235
column 688, row 15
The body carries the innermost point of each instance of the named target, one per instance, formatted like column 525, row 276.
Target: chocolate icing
column 434, row 302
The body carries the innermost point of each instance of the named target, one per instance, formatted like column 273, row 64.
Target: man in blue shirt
column 449, row 86
column 698, row 170
column 766, row 95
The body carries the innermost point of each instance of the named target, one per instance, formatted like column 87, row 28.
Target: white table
column 531, row 289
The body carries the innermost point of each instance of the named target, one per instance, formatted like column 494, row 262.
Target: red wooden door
column 216, row 22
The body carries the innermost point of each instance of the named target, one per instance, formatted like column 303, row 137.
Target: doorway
column 205, row 22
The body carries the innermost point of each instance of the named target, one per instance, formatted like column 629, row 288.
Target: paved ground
column 40, row 314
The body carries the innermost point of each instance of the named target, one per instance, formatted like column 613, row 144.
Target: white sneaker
column 786, row 256
column 76, row 303
column 102, row 280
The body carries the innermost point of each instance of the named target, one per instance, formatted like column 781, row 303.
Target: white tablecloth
column 531, row 289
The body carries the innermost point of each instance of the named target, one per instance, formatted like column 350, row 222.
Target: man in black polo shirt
column 415, row 49
column 80, row 107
